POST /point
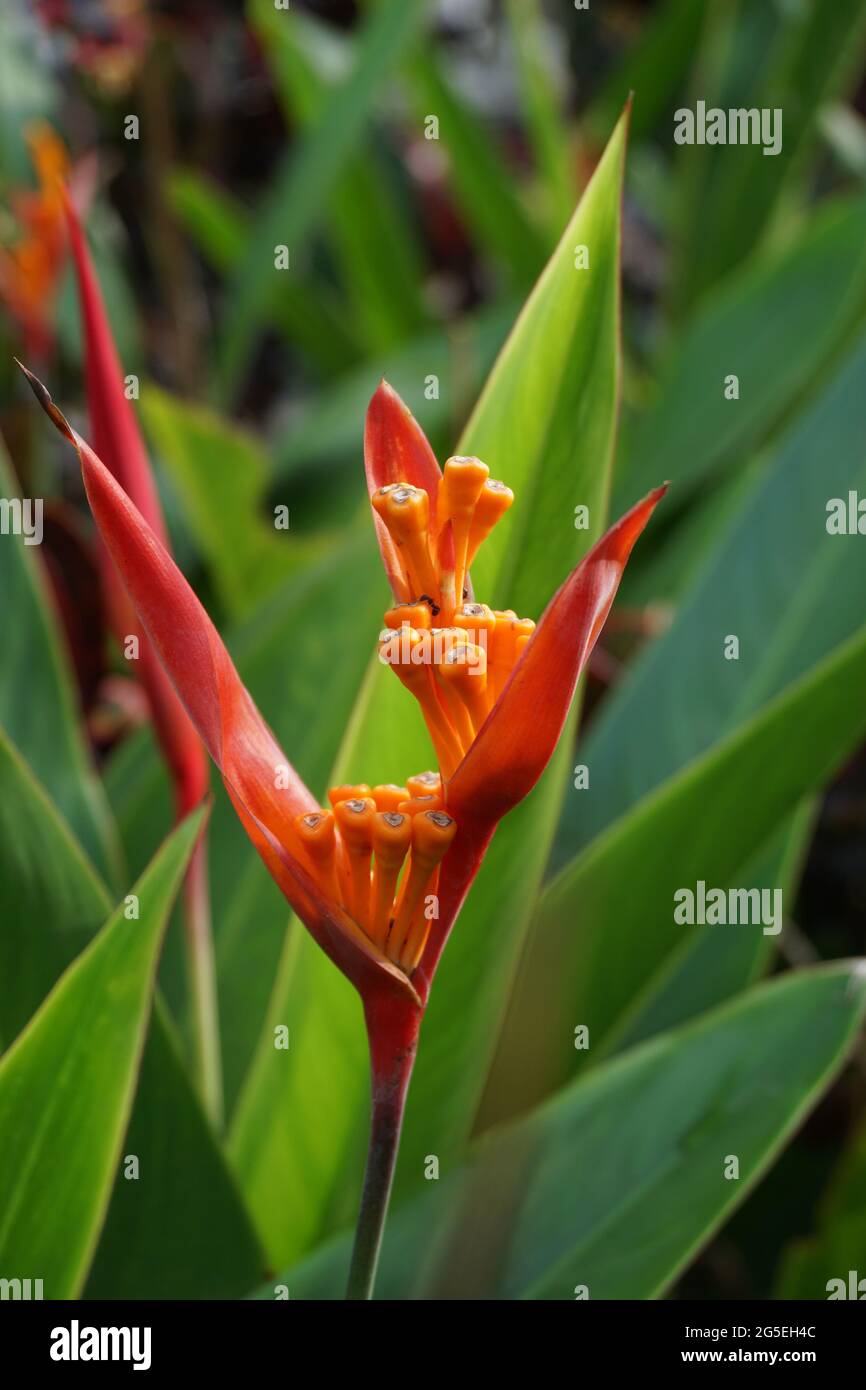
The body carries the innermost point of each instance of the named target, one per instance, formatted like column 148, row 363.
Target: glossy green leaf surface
column 38, row 705
column 606, row 923
column 774, row 325
column 75, row 1067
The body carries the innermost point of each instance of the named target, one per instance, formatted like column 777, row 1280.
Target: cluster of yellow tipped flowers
column 377, row 851
column 359, row 848
column 453, row 654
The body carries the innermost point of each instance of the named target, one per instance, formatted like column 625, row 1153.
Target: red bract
column 117, row 439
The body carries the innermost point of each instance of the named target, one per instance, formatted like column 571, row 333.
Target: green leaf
column 541, row 102
column 375, row 247
column 640, row 1145
column 307, row 312
column 789, row 615
column 606, row 923
column 546, row 419
column 775, row 325
column 67, row 1084
column 838, row 1244
column 561, row 356
column 178, row 1230
column 51, row 903
column 50, row 896
column 653, row 69
column 221, row 473
column 303, row 185
column 717, row 966
column 325, row 433
column 37, row 701
column 483, row 184
column 776, row 579
column 791, row 59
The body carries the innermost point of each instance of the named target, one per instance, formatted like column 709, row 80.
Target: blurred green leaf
column 75, row 1068
column 221, row 473
column 775, row 325
column 438, row 375
column 666, row 569
column 38, row 704
column 307, row 311
column 775, row 578
column 839, row 1242
column 28, row 90
column 546, row 123
column 844, row 131
column 375, row 246
column 792, row 58
column 562, row 350
column 482, row 182
column 303, row 184
column 653, row 68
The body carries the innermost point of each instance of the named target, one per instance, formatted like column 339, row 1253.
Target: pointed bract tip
column 385, row 391
column 43, row 396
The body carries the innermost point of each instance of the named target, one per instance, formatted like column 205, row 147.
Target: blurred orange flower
column 30, row 269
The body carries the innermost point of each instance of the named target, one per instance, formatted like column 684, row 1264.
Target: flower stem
column 202, row 984
column 393, row 1032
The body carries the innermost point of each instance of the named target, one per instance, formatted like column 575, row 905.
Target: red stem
column 393, row 1024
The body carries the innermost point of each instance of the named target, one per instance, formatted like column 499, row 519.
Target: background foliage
column 451, row 260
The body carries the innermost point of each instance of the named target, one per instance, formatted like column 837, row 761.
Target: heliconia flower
column 360, row 873
column 494, row 689
column 30, row 269
column 119, row 443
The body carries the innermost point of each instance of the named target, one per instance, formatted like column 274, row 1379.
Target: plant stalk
column 392, row 1027
column 201, row 970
